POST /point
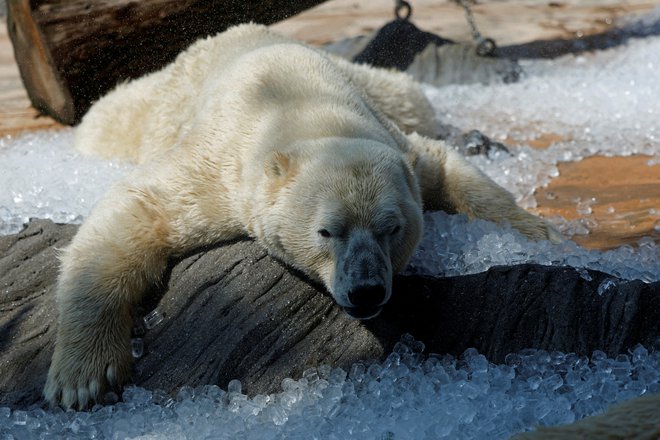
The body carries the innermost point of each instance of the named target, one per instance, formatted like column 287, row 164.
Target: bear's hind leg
column 115, row 127
column 450, row 183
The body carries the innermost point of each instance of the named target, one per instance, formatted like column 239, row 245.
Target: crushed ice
column 606, row 103
column 43, row 176
column 453, row 245
column 410, row 395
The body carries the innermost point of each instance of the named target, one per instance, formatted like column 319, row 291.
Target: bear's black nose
column 367, row 296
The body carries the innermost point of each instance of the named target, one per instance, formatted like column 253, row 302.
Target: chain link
column 485, row 46
column 402, row 5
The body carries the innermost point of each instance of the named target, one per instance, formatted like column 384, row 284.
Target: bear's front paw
column 553, row 234
column 81, row 374
column 541, row 229
column 535, row 228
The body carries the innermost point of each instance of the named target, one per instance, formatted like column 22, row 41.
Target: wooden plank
column 16, row 112
column 625, row 193
column 507, row 21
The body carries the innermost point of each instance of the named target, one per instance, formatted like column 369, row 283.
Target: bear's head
column 347, row 212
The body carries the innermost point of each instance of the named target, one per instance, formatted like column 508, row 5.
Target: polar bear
column 249, row 133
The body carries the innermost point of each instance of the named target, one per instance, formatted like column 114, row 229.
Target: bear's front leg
column 117, row 254
column 450, row 183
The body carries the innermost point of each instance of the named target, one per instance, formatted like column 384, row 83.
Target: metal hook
column 402, row 4
column 485, row 46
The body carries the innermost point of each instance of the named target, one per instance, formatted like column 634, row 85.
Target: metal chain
column 485, row 46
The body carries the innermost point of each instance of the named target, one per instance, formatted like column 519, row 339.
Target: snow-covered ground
column 606, row 103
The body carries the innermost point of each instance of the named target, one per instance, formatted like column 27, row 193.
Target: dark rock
column 232, row 312
column 460, row 64
column 396, row 44
column 427, row 57
column 28, row 270
column 470, row 143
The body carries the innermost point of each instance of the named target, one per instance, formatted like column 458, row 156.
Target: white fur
column 250, row 133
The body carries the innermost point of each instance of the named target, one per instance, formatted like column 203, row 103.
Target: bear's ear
column 280, row 165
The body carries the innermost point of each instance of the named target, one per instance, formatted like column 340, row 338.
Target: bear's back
column 213, row 85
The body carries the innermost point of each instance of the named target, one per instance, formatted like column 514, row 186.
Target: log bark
column 232, row 312
column 71, row 52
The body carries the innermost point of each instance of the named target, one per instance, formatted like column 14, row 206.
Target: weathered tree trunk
column 71, row 52
column 234, row 312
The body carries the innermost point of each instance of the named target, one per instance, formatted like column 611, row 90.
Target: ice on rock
column 152, row 319
column 234, row 386
column 607, row 286
column 584, row 274
column 584, row 207
column 137, row 347
column 603, row 103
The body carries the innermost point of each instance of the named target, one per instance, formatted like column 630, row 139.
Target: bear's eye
column 395, row 230
column 324, row 233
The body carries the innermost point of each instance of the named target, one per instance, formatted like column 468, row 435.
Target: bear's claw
column 78, row 381
column 79, row 396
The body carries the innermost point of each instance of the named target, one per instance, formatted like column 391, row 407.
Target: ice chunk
column 152, row 319
column 137, row 347
column 234, row 386
column 607, row 286
column 311, row 375
column 19, row 418
column 584, row 208
column 639, row 353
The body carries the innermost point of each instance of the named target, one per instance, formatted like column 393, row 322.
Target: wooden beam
column 71, row 52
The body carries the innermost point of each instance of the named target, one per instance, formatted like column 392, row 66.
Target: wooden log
column 71, row 52
column 232, row 312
